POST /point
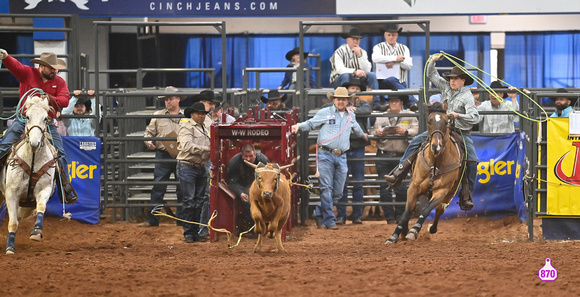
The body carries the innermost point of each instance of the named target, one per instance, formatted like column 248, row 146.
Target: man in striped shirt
column 350, row 60
column 394, row 54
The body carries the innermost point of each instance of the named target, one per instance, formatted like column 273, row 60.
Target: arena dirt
column 468, row 257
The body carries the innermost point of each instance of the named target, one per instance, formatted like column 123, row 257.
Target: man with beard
column 563, row 105
column 55, row 89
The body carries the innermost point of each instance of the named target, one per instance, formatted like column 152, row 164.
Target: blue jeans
column 371, row 80
column 14, row 132
column 357, row 170
column 471, row 169
column 162, row 172
column 193, row 182
column 393, row 83
column 205, row 208
column 333, row 170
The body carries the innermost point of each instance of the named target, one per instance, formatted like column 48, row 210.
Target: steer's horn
column 251, row 164
column 286, row 166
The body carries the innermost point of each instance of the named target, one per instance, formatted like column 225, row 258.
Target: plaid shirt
column 498, row 123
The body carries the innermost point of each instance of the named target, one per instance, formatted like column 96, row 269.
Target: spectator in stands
column 240, row 179
column 164, row 127
column 210, row 100
column 336, row 123
column 55, row 89
column 84, row 105
column 217, row 115
column 475, row 96
column 392, row 143
column 290, row 77
column 350, row 60
column 193, row 143
column 397, row 62
column 458, row 101
column 275, row 100
column 563, row 104
column 498, row 123
column 356, row 169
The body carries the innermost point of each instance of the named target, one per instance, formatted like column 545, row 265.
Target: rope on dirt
column 156, row 212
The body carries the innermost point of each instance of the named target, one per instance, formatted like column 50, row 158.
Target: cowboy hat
column 353, row 32
column 355, row 81
column 86, row 102
column 273, row 95
column 391, row 28
column 458, row 72
column 207, row 95
column 170, row 91
column 403, row 98
column 293, row 52
column 340, row 92
column 50, row 60
column 563, row 91
column 497, row 85
column 196, row 107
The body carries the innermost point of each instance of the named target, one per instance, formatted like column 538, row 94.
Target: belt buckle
column 336, row 152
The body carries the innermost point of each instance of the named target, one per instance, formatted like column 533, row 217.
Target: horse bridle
column 43, row 131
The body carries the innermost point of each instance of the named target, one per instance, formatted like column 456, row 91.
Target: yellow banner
column 563, row 160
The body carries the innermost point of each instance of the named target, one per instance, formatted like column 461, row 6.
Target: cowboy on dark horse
column 457, row 99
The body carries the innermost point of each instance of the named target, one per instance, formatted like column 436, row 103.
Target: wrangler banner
column 563, row 173
column 499, row 183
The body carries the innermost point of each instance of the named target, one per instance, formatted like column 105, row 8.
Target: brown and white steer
column 269, row 202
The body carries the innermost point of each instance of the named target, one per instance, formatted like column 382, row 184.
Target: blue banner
column 499, row 182
column 188, row 8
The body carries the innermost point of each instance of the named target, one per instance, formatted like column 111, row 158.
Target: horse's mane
column 38, row 101
column 436, row 107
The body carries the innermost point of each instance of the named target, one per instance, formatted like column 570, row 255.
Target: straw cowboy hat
column 391, row 28
column 293, row 52
column 563, row 91
column 355, row 81
column 458, row 72
column 497, row 85
column 273, row 95
column 353, row 32
column 50, row 60
column 171, row 91
column 196, row 107
column 340, row 92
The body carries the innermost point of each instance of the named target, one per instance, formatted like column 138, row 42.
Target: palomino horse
column 436, row 177
column 28, row 180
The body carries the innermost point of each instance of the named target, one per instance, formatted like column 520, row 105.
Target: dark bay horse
column 436, row 176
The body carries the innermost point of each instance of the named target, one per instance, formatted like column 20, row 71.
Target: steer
column 269, row 202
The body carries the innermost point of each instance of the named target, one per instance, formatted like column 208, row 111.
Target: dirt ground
column 468, row 257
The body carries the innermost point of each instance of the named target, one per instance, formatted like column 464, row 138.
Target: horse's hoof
column 432, row 229
column 412, row 235
column 391, row 240
column 10, row 251
column 36, row 235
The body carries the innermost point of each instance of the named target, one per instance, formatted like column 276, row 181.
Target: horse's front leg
column 438, row 212
column 414, row 232
column 402, row 228
column 12, row 207
column 42, row 199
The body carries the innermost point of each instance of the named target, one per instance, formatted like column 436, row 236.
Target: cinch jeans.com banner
column 499, row 182
column 84, row 157
column 563, row 157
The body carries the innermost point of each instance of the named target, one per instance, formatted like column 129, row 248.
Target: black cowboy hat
column 196, row 107
column 353, row 32
column 86, row 102
column 207, row 95
column 355, row 81
column 404, row 98
column 458, row 72
column 293, row 52
column 497, row 85
column 273, row 95
column 391, row 28
column 563, row 91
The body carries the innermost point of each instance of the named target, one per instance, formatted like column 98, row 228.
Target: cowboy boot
column 70, row 195
column 465, row 200
column 398, row 174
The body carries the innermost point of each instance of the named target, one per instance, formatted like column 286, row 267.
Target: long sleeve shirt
column 160, row 127
column 565, row 113
column 344, row 60
column 460, row 101
column 396, row 145
column 193, row 142
column 79, row 126
column 31, row 78
column 498, row 123
column 331, row 123
column 240, row 175
column 290, row 77
column 385, row 53
column 362, row 112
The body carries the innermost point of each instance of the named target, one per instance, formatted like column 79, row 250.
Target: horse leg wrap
column 10, row 243
column 39, row 221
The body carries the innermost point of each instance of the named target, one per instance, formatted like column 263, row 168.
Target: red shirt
column 31, row 78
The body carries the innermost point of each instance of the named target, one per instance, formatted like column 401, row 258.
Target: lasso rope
column 156, row 212
column 18, row 114
column 454, row 60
